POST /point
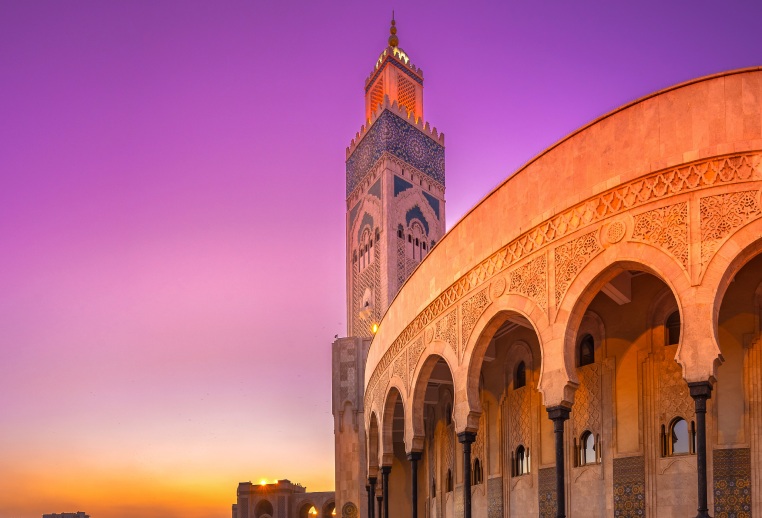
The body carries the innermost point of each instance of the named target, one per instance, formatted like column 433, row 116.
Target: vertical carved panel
column 400, row 368
column 413, row 355
column 531, row 281
column 675, row 398
column 570, row 258
column 348, row 374
column 380, row 390
column 665, row 228
column 477, row 450
column 447, row 330
column 520, row 416
column 472, row 309
column 586, row 414
column 721, row 215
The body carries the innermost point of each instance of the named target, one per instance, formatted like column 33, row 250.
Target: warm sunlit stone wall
column 652, row 209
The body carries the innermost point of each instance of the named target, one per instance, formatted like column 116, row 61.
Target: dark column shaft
column 466, row 438
column 380, row 511
column 414, row 457
column 700, row 392
column 559, row 414
column 371, row 494
column 385, row 470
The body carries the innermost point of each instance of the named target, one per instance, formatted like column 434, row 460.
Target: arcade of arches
column 586, row 341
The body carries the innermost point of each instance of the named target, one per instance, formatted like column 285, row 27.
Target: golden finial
column 393, row 39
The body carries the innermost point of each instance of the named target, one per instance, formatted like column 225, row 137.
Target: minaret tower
column 395, row 189
column 395, row 215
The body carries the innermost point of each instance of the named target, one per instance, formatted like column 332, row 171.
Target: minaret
column 395, row 215
column 395, row 189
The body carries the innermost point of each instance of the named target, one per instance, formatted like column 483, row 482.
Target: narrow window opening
column 449, row 481
column 586, row 351
column 673, row 328
column 521, row 376
column 587, row 449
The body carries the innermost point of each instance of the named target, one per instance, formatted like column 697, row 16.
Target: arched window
column 522, row 461
column 681, row 439
column 586, row 351
column 521, row 376
column 476, row 476
column 449, row 480
column 448, row 414
column 587, row 453
column 673, row 328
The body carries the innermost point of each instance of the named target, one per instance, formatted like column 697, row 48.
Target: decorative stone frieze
column 413, row 355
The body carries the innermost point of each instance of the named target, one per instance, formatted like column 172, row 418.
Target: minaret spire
column 393, row 39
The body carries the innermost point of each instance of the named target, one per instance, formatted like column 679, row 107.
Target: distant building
column 78, row 514
column 282, row 499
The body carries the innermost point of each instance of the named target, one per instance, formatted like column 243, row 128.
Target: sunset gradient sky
column 172, row 212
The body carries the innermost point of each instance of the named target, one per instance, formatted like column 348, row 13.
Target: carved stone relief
column 348, row 374
column 400, row 368
column 586, row 414
column 721, row 215
column 665, row 228
column 531, row 280
column 520, row 418
column 673, row 393
column 413, row 355
column 570, row 258
column 447, row 330
column 472, row 309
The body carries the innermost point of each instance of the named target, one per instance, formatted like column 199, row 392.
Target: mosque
column 584, row 342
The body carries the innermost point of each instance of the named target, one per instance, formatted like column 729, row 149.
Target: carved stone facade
column 624, row 269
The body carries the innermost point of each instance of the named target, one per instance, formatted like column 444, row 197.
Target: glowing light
column 264, row 482
column 375, row 328
column 313, row 511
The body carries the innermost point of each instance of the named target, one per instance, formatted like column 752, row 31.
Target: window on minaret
column 405, row 93
column 377, row 94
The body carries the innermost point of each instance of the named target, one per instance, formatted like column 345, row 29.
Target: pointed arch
column 414, row 422
column 495, row 315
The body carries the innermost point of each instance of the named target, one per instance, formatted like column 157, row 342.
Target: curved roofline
column 555, row 145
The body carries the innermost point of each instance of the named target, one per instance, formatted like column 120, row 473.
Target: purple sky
column 172, row 212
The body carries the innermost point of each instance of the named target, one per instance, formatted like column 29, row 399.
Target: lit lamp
column 375, row 328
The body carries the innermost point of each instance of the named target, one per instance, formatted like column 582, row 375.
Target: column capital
column 371, row 480
column 414, row 455
column 466, row 437
column 700, row 389
column 559, row 412
column 385, row 470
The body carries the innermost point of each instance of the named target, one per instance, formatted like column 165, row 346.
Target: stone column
column 414, row 457
column 380, row 510
column 466, row 438
column 700, row 392
column 371, row 492
column 385, row 470
column 559, row 414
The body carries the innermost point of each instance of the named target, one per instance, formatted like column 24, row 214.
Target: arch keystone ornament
column 615, row 232
column 498, row 287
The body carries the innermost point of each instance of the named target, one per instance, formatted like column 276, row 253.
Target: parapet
column 402, row 112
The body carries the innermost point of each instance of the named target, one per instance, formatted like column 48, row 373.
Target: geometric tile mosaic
column 547, row 492
column 629, row 487
column 732, row 483
column 392, row 134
